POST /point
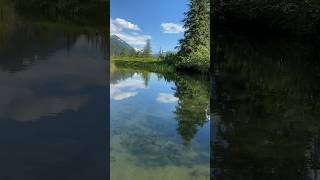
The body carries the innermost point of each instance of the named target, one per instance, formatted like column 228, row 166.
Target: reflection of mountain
column 118, row 46
column 266, row 111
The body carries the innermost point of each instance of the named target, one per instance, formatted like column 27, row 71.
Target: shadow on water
column 52, row 79
column 265, row 110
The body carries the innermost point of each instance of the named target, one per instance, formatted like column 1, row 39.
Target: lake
column 54, row 99
column 265, row 109
column 160, row 125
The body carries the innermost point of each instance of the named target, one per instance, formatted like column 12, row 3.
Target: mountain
column 119, row 46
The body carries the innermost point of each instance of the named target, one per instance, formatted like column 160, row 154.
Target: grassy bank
column 154, row 64
column 150, row 64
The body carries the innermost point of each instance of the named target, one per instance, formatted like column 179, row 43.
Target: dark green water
column 160, row 126
column 265, row 110
column 53, row 107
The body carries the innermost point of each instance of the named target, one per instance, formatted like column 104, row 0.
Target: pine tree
column 194, row 48
column 160, row 53
column 147, row 49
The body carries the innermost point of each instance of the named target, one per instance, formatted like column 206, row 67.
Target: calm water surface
column 53, row 108
column 266, row 110
column 159, row 126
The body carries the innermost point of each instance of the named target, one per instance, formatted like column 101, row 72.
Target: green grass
column 149, row 64
column 128, row 58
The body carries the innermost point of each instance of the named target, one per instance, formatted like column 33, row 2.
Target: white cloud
column 122, row 23
column 172, row 28
column 166, row 98
column 133, row 39
column 127, row 31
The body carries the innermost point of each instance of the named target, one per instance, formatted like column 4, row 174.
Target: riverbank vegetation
column 285, row 17
column 80, row 12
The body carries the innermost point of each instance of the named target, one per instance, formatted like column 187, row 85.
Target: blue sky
column 137, row 20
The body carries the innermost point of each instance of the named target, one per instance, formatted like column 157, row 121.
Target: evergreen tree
column 160, row 53
column 147, row 49
column 194, row 48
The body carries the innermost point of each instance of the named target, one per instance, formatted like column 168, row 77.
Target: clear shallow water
column 152, row 135
column 52, row 82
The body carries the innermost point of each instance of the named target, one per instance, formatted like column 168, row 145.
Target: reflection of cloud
column 166, row 98
column 123, row 95
column 126, row 89
column 30, row 94
column 44, row 107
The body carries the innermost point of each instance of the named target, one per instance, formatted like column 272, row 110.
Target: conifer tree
column 194, row 48
column 160, row 53
column 147, row 49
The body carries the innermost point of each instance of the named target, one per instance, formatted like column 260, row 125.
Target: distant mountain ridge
column 119, row 46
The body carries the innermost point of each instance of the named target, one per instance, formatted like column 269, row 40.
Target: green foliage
column 194, row 48
column 170, row 58
column 293, row 16
column 198, row 60
column 84, row 12
column 144, row 63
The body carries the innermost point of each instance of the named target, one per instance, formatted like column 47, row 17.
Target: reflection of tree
column 193, row 94
column 268, row 101
column 40, row 39
column 191, row 111
column 146, row 77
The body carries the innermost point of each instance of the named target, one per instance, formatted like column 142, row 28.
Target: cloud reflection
column 166, row 98
column 52, row 85
column 126, row 89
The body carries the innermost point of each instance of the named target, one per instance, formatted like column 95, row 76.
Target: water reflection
column 266, row 110
column 52, row 80
column 151, row 135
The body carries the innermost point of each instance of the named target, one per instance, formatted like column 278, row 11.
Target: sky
column 135, row 21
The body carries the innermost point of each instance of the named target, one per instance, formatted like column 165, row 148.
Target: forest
column 283, row 17
column 80, row 12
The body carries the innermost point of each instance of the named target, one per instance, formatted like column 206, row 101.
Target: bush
column 198, row 60
column 170, row 58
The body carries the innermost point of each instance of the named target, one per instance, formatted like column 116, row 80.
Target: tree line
column 292, row 17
